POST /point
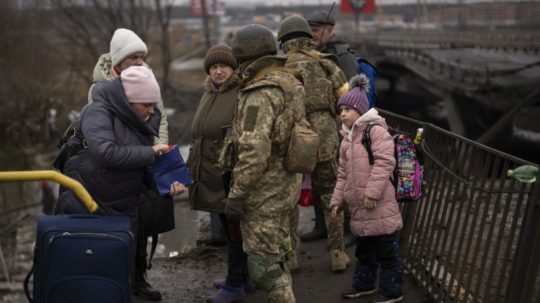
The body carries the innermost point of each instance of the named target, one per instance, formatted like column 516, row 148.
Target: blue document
column 168, row 168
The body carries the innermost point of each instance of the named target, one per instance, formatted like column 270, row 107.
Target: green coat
column 215, row 111
column 103, row 72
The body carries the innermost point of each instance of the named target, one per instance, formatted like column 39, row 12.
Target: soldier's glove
column 370, row 203
column 234, row 208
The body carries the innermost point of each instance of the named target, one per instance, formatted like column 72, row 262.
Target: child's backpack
column 409, row 170
column 366, row 68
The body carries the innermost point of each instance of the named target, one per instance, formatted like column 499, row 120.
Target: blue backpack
column 368, row 69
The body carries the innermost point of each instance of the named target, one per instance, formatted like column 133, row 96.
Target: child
column 370, row 196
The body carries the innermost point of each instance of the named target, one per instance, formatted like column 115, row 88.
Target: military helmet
column 294, row 25
column 253, row 41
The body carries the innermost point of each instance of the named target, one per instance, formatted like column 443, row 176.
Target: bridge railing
column 475, row 236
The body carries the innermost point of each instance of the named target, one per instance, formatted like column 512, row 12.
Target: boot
column 227, row 294
column 145, row 290
column 319, row 231
column 340, row 260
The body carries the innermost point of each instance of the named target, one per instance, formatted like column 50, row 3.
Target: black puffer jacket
column 114, row 167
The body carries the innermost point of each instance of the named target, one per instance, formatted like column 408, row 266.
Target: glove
column 370, row 203
column 234, row 208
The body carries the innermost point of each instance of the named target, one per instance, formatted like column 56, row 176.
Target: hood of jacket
column 371, row 116
column 233, row 81
column 111, row 95
column 103, row 70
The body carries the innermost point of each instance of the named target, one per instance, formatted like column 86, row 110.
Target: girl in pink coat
column 370, row 195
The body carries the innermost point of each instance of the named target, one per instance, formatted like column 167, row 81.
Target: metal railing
column 475, row 236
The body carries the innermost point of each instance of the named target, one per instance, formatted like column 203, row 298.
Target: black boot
column 143, row 289
column 140, row 286
column 319, row 231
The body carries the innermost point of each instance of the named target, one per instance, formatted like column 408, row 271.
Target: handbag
column 170, row 167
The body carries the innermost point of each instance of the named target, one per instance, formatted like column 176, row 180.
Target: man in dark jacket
column 326, row 41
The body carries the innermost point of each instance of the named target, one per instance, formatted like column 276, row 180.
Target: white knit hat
column 140, row 85
column 125, row 42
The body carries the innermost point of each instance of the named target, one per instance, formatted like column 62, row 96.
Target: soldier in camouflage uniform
column 324, row 82
column 263, row 191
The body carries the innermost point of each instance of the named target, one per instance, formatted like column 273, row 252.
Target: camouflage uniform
column 103, row 71
column 269, row 103
column 324, row 82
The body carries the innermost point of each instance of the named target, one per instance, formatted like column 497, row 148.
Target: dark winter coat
column 214, row 112
column 114, row 167
column 345, row 58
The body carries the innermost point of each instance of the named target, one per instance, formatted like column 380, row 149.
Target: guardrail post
column 526, row 263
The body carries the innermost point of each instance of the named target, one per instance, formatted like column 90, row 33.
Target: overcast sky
column 329, row 2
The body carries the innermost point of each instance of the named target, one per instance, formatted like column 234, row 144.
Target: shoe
column 340, row 260
column 144, row 290
column 355, row 293
column 227, row 294
column 382, row 299
column 313, row 235
column 249, row 286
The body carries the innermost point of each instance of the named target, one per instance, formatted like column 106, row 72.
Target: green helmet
column 253, row 41
column 296, row 25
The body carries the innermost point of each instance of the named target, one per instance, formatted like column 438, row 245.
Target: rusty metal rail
column 475, row 236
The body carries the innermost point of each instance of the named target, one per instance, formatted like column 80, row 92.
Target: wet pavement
column 184, row 272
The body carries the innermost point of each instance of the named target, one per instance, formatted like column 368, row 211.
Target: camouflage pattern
column 103, row 71
column 324, row 82
column 269, row 103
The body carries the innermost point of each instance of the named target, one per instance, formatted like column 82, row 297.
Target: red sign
column 358, row 6
column 213, row 7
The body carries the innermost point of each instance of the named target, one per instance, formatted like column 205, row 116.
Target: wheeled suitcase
column 79, row 258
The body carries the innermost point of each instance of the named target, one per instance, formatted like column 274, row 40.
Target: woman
column 208, row 190
column 116, row 133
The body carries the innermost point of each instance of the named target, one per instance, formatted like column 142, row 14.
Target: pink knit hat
column 140, row 85
column 356, row 96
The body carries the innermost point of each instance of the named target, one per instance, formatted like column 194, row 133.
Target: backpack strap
column 366, row 141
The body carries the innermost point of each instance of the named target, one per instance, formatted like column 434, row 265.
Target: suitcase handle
column 57, row 177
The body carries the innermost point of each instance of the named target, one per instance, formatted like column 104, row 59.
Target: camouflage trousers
column 264, row 240
column 323, row 182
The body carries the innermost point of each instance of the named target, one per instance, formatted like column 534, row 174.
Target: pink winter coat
column 357, row 179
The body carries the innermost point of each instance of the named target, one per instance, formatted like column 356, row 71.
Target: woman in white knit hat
column 127, row 49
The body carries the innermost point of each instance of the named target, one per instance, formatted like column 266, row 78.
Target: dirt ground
column 188, row 278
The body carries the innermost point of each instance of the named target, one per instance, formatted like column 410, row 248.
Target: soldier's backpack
column 366, row 68
column 409, row 170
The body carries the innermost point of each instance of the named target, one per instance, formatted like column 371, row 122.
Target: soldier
column 263, row 192
column 326, row 41
column 324, row 82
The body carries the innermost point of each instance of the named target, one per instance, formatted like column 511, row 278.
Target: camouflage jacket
column 269, row 103
column 103, row 71
column 324, row 83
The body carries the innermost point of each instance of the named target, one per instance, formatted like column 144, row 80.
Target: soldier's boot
column 227, row 294
column 340, row 260
column 319, row 232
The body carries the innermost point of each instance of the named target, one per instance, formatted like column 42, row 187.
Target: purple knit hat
column 356, row 96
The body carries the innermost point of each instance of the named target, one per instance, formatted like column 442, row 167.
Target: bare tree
column 163, row 9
